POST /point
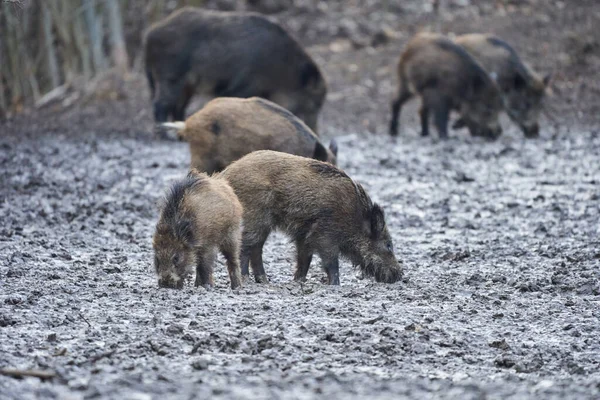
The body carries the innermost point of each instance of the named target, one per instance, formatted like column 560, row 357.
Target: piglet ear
column 377, row 221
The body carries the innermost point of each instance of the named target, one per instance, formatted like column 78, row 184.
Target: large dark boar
column 446, row 78
column 228, row 128
column 522, row 89
column 319, row 207
column 200, row 216
column 228, row 54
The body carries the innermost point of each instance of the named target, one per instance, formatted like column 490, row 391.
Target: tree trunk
column 94, row 34
column 119, row 52
column 51, row 51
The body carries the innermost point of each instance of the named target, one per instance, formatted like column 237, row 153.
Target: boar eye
column 390, row 247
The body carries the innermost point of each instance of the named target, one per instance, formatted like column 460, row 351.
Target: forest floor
column 500, row 240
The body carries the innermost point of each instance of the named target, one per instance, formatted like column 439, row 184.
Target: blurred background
column 83, row 57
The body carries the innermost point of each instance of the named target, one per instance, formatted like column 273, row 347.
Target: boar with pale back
column 523, row 90
column 446, row 78
column 319, row 207
column 229, row 54
column 200, row 216
column 228, row 128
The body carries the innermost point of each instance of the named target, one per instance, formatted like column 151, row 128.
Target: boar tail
column 177, row 126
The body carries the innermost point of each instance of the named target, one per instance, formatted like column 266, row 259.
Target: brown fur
column 446, row 78
column 522, row 89
column 228, row 128
column 319, row 207
column 229, row 54
column 200, row 216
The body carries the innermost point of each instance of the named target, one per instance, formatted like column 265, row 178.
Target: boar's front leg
column 205, row 261
column 304, row 258
column 182, row 103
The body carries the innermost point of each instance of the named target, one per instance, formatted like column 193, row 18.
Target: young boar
column 229, row 54
column 201, row 215
column 319, row 207
column 446, row 78
column 228, row 128
column 522, row 89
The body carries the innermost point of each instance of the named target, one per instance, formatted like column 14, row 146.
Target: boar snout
column 170, row 282
column 389, row 273
column 531, row 131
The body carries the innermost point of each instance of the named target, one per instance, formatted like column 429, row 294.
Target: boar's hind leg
column 204, row 269
column 331, row 265
column 441, row 113
column 231, row 251
column 424, row 114
column 256, row 262
column 251, row 254
column 402, row 98
column 304, row 258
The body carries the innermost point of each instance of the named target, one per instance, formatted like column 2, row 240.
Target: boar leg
column 256, row 262
column 245, row 263
column 251, row 255
column 231, row 251
column 402, row 98
column 182, row 103
column 204, row 269
column 304, row 258
column 441, row 113
column 331, row 265
column 424, row 114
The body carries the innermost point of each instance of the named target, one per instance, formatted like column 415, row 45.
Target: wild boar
column 319, row 207
column 522, row 89
column 229, row 54
column 200, row 215
column 228, row 128
column 446, row 78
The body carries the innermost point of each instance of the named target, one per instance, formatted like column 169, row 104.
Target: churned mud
column 500, row 243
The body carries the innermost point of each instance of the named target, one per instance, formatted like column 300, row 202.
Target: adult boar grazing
column 446, row 78
column 319, row 207
column 522, row 89
column 228, row 54
column 228, row 128
column 200, row 216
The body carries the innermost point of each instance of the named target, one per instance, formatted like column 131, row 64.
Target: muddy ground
column 500, row 242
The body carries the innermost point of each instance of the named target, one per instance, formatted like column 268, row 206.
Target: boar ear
column 333, row 147
column 377, row 221
column 320, row 152
column 310, row 75
column 546, row 79
column 185, row 232
column 519, row 82
column 477, row 83
column 459, row 124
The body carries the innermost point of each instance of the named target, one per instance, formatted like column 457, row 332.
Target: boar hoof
column 261, row 279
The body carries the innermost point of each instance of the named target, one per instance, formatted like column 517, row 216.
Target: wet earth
column 500, row 242
column 501, row 296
